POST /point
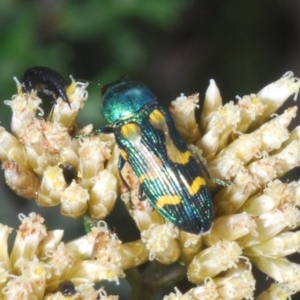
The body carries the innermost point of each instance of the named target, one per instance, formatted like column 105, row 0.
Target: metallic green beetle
column 169, row 175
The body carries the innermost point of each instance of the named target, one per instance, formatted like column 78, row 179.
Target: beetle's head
column 122, row 99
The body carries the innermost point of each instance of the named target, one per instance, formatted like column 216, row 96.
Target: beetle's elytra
column 47, row 81
column 169, row 175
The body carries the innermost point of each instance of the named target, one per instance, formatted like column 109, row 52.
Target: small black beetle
column 67, row 288
column 47, row 81
column 69, row 173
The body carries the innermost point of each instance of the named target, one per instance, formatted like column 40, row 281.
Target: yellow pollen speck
column 167, row 200
column 71, row 88
column 255, row 100
column 39, row 270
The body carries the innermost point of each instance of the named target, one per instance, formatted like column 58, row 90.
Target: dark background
column 173, row 46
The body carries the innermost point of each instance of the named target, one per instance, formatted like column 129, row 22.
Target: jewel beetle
column 169, row 175
column 47, row 81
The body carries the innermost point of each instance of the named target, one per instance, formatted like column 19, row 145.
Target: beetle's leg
column 205, row 171
column 105, row 129
column 49, row 93
column 140, row 194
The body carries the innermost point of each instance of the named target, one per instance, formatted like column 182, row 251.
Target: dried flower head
column 256, row 217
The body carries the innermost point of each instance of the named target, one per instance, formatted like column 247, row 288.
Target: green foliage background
column 173, row 46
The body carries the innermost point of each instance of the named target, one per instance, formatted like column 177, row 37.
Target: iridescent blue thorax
column 122, row 99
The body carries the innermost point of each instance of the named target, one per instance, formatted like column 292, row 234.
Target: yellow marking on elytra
column 131, row 131
column 196, row 185
column 123, row 154
column 167, row 200
column 175, row 155
column 158, row 120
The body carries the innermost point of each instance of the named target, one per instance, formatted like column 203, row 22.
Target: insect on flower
column 70, row 173
column 46, row 81
column 67, row 288
column 168, row 173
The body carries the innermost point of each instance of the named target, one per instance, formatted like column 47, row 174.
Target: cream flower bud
column 93, row 153
column 83, row 246
column 189, row 245
column 236, row 283
column 205, row 291
column 4, row 258
column 52, row 185
column 161, row 242
column 74, row 201
column 182, row 110
column 133, row 254
column 37, row 271
column 223, row 121
column 276, row 291
column 294, row 186
column 275, row 94
column 281, row 269
column 18, row 288
column 276, row 193
column 12, row 149
column 225, row 166
column 5, row 276
column 24, row 108
column 103, row 195
column 251, row 108
column 30, row 233
column 273, row 133
column 268, row 168
column 23, row 182
column 268, row 137
column 229, row 199
column 107, row 259
column 212, row 102
column 213, row 260
column 62, row 113
column 43, row 141
column 244, row 148
column 50, row 242
column 270, row 224
column 283, row 244
column 69, row 154
column 61, row 262
column 209, row 143
column 230, row 227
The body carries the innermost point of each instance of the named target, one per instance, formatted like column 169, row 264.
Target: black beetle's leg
column 140, row 194
column 105, row 129
column 49, row 93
